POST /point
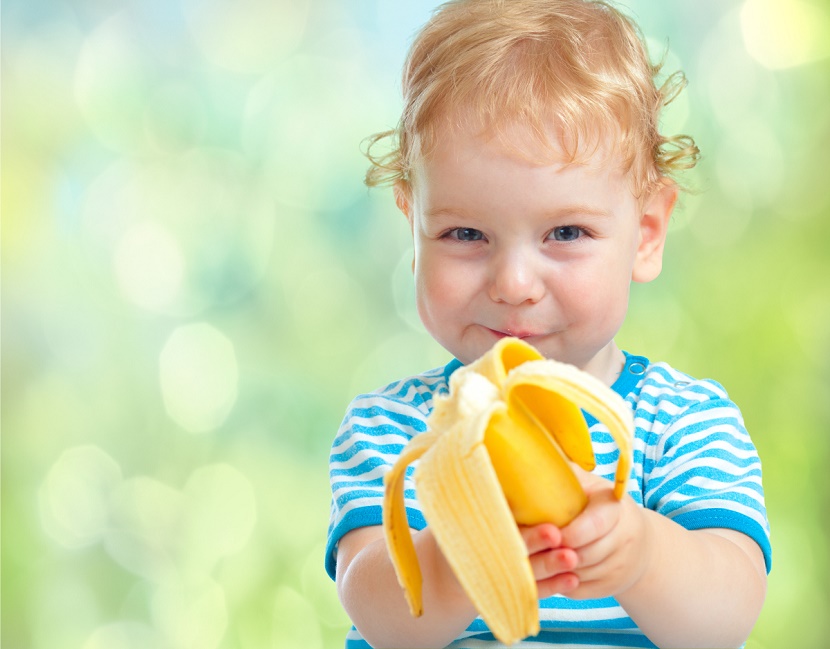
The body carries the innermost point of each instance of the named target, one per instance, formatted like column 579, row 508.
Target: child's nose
column 515, row 280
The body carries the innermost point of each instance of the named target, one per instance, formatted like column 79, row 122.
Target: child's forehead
column 542, row 144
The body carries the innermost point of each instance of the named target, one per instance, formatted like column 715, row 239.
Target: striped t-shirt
column 693, row 462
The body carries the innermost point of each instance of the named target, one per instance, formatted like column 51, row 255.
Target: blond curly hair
column 579, row 64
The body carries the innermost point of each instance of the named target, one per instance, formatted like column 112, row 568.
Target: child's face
column 543, row 252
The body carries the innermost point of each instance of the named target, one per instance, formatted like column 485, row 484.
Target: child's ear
column 654, row 223
column 403, row 197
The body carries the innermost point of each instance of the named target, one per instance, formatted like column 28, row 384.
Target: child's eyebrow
column 580, row 210
column 445, row 212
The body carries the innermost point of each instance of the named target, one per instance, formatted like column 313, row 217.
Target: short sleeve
column 705, row 471
column 373, row 433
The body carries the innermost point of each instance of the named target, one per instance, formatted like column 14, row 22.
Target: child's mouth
column 516, row 334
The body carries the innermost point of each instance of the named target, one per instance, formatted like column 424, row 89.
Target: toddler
column 537, row 187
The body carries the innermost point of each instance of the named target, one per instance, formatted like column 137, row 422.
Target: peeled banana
column 496, row 454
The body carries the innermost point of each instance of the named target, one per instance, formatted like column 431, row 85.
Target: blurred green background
column 195, row 283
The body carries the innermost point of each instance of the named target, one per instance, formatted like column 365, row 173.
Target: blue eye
column 566, row 233
column 467, row 234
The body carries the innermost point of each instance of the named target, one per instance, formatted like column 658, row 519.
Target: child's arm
column 683, row 588
column 371, row 595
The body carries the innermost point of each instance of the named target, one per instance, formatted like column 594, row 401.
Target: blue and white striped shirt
column 693, row 462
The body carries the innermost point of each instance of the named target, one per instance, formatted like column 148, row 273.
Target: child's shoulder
column 662, row 379
column 416, row 391
column 665, row 393
column 686, row 425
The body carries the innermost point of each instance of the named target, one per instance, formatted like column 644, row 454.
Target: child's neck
column 607, row 364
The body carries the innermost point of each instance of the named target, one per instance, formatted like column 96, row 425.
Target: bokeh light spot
column 736, row 85
column 145, row 532
column 149, row 266
column 750, row 164
column 323, row 302
column 112, row 83
column 642, row 328
column 246, row 35
column 320, row 590
column 123, row 635
column 311, row 160
column 220, row 513
column 175, row 116
column 65, row 610
column 795, row 561
column 193, row 615
column 74, row 498
column 199, row 375
column 402, row 354
column 786, row 33
column 810, row 320
column 111, row 202
column 295, row 621
column 719, row 230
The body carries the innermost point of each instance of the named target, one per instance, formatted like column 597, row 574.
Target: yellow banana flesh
column 529, row 472
column 496, row 454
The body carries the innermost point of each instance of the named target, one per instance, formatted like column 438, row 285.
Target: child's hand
column 552, row 564
column 611, row 540
column 602, row 552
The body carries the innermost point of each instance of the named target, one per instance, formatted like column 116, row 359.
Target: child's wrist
column 447, row 586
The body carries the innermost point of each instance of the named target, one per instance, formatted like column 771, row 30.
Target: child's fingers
column 589, row 481
column 598, row 519
column 541, row 537
column 595, row 554
column 549, row 563
column 561, row 584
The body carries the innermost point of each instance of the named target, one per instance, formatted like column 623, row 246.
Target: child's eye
column 466, row 234
column 566, row 233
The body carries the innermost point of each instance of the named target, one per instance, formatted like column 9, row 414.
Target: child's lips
column 517, row 333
